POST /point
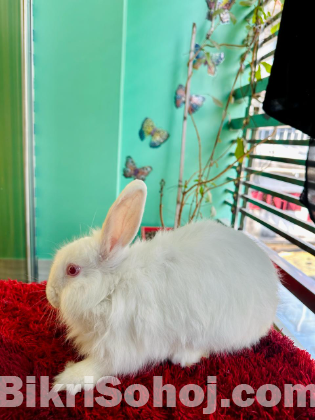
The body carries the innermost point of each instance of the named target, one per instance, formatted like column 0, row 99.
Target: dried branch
column 162, row 185
column 183, row 144
column 200, row 188
column 232, row 164
column 210, row 160
column 199, row 146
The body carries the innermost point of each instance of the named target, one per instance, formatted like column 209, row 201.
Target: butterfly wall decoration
column 212, row 61
column 224, row 5
column 195, row 101
column 131, row 171
column 158, row 136
column 200, row 57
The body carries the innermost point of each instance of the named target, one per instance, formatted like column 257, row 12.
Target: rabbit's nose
column 52, row 296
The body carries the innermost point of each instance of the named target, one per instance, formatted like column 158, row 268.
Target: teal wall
column 101, row 67
column 77, row 64
column 157, row 47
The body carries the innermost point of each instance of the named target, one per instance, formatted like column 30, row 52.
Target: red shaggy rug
column 31, row 345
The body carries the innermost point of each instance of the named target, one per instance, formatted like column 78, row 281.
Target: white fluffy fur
column 203, row 288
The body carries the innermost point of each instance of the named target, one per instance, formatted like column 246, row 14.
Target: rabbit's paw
column 77, row 376
column 187, row 357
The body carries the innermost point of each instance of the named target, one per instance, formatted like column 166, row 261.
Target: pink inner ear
column 113, row 243
column 122, row 222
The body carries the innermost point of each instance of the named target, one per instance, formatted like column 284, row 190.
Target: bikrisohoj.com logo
column 137, row 395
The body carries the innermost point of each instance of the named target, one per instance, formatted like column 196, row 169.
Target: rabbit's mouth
column 52, row 296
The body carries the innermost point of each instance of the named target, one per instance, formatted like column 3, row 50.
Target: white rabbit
column 203, row 288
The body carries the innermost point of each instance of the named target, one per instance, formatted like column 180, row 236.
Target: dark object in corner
column 290, row 94
column 308, row 194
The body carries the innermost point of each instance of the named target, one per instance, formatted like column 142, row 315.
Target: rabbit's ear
column 124, row 217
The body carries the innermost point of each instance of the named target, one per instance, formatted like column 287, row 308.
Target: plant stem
column 212, row 28
column 162, row 184
column 210, row 160
column 187, row 103
column 203, row 180
column 232, row 164
column 225, row 45
column 199, row 146
column 209, row 164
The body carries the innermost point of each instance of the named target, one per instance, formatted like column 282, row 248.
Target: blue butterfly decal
column 212, row 61
column 195, row 101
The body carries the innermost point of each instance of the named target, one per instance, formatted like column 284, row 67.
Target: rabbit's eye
column 73, row 270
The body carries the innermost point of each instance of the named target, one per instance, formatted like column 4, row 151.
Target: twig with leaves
column 202, row 182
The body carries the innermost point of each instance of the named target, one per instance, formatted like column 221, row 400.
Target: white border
column 28, row 134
